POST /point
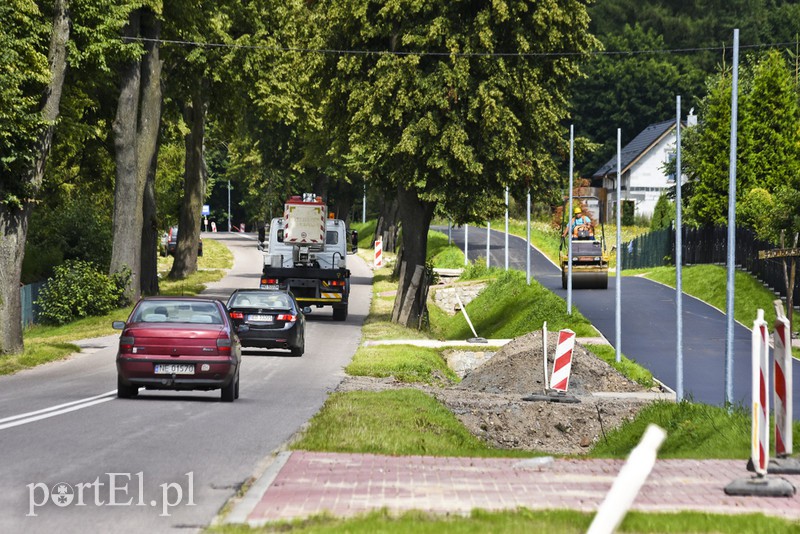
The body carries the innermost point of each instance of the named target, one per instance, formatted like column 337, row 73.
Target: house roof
column 634, row 150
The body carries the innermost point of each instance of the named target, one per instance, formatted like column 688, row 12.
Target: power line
column 343, row 52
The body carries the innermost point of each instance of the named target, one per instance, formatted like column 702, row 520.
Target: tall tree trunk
column 127, row 241
column 150, row 237
column 14, row 221
column 149, row 124
column 415, row 217
column 135, row 142
column 194, row 187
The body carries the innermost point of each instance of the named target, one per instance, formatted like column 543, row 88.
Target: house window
column 671, row 157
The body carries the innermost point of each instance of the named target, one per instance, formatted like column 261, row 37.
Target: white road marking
column 38, row 415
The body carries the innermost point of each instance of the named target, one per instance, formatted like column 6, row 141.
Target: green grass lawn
column 523, row 521
column 357, row 422
column 406, row 363
column 508, row 308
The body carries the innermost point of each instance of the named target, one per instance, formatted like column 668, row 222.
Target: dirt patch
column 489, row 399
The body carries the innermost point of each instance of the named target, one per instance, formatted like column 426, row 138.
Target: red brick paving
column 344, row 485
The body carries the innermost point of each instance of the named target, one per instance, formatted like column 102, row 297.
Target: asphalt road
column 648, row 319
column 164, row 460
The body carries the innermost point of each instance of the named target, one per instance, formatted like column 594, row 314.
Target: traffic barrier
column 760, row 485
column 379, row 253
column 782, row 342
column 759, row 450
column 562, row 365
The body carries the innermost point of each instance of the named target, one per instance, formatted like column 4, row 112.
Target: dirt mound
column 489, row 399
column 519, row 368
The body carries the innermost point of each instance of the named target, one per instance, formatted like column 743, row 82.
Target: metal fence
column 707, row 245
column 28, row 295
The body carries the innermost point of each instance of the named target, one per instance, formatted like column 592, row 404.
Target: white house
column 642, row 161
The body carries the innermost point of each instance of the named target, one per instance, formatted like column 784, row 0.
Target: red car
column 178, row 343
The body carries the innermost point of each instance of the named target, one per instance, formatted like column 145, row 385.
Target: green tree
column 768, row 139
column 629, row 90
column 768, row 165
column 663, row 213
column 32, row 71
column 435, row 115
column 705, row 155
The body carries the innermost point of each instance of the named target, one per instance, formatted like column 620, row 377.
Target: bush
column 78, row 289
column 77, row 230
column 628, row 211
column 663, row 214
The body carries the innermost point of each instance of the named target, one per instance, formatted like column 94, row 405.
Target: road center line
column 38, row 415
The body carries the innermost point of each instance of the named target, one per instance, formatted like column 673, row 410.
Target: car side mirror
column 118, row 325
column 307, row 310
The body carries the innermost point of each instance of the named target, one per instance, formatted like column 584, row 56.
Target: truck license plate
column 269, row 286
column 174, row 369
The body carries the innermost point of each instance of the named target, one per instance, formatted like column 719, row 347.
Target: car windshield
column 261, row 300
column 168, row 311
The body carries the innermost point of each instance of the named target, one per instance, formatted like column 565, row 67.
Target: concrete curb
column 243, row 508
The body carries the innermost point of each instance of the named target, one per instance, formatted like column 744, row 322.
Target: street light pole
column 229, row 205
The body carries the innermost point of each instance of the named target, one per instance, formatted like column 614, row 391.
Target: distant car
column 273, row 317
column 172, row 242
column 178, row 343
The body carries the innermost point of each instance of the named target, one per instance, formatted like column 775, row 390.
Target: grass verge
column 357, row 422
column 693, row 431
column 405, row 363
column 508, row 308
column 522, row 521
column 627, row 367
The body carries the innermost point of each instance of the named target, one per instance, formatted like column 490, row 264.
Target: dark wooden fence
column 707, row 245
column 30, row 310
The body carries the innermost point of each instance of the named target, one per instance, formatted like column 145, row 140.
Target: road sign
column 778, row 253
column 206, row 210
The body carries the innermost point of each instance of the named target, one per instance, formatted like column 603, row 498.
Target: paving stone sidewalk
column 300, row 484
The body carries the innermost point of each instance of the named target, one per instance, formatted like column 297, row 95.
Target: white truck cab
column 307, row 254
column 332, row 254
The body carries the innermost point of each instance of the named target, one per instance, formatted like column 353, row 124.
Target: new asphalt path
column 648, row 323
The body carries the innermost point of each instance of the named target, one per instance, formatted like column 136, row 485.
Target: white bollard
column 782, row 342
column 466, row 244
column 562, row 362
column 629, row 481
column 379, row 253
column 759, row 451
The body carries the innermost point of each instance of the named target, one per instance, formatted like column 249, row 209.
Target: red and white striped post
column 782, row 342
column 562, row 364
column 759, row 452
column 379, row 253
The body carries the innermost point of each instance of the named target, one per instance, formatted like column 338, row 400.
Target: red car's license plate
column 174, row 369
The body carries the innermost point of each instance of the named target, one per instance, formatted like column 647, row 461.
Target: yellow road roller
column 583, row 222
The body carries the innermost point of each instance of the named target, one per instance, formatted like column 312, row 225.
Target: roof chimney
column 691, row 119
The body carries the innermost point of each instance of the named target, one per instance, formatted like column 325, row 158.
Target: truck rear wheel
column 340, row 313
